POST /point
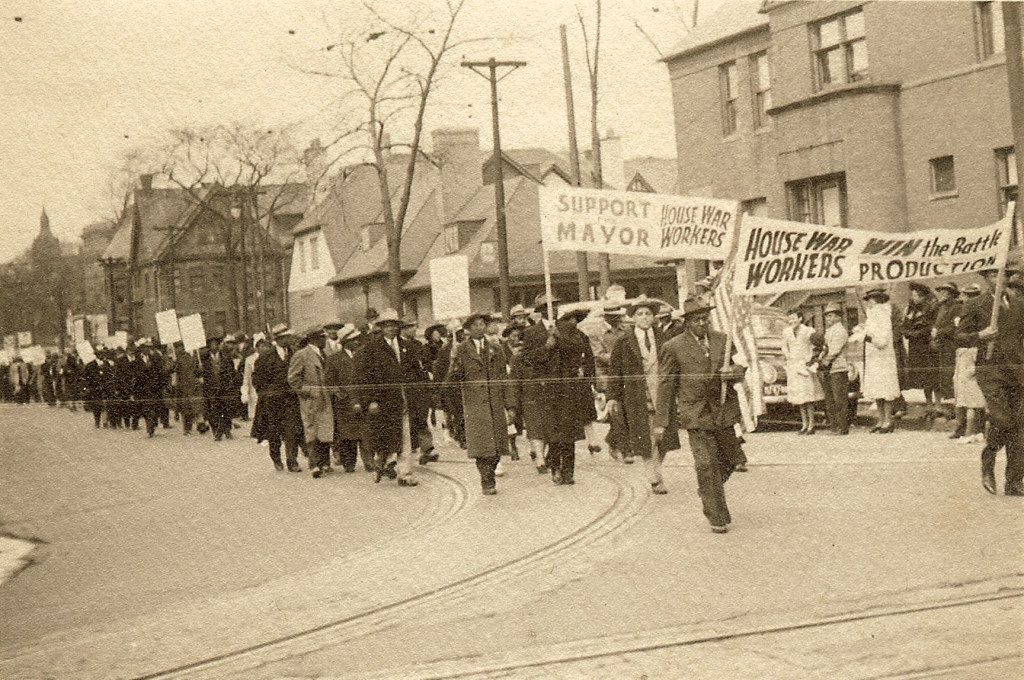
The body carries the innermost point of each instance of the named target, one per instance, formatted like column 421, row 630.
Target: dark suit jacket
column 627, row 385
column 381, row 377
column 692, row 379
column 340, row 373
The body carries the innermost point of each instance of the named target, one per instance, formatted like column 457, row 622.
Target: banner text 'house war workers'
column 775, row 256
column 658, row 226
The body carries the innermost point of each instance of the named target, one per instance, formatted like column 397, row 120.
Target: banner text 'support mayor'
column 775, row 256
column 658, row 226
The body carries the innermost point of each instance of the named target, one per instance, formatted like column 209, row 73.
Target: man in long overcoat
column 218, row 389
column 561, row 387
column 341, row 375
column 692, row 380
column 306, row 378
column 188, row 389
column 480, row 368
column 277, row 418
column 632, row 390
column 383, row 373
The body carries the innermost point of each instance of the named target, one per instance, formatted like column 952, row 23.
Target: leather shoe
column 1016, row 489
column 988, row 480
column 317, row 472
column 719, row 529
column 389, row 470
column 407, row 481
column 294, row 468
column 628, row 460
column 556, row 476
column 740, row 468
column 659, row 489
column 278, row 466
column 594, row 448
column 490, row 491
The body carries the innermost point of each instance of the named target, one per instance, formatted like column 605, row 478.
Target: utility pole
column 1015, row 85
column 240, row 197
column 582, row 273
column 491, row 74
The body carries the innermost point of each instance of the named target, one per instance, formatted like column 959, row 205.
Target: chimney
column 146, row 181
column 612, row 170
column 458, row 153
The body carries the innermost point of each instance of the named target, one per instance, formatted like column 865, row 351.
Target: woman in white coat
column 802, row 386
column 880, row 381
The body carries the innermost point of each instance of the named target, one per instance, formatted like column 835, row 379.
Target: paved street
column 860, row 557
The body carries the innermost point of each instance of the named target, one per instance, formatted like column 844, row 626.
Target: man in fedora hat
column 277, row 418
column 480, row 368
column 834, row 369
column 561, row 385
column 532, row 395
column 341, row 375
column 384, row 373
column 692, row 380
column 306, row 378
column 633, row 380
column 218, row 389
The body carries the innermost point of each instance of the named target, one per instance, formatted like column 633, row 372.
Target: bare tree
column 242, row 175
column 388, row 70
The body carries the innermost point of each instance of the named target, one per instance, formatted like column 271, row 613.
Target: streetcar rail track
column 630, row 498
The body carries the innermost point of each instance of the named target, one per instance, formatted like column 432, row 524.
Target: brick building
column 890, row 116
column 207, row 251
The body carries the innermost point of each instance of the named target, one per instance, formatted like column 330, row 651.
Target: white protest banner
column 193, row 335
column 167, row 327
column 85, row 351
column 120, row 339
column 11, row 341
column 774, row 256
column 659, row 226
column 449, row 287
column 5, row 358
column 24, row 338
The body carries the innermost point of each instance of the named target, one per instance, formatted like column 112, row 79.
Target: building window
column 488, row 252
column 943, row 176
column 818, row 200
column 1006, row 164
column 730, row 93
column 840, row 49
column 195, row 279
column 314, row 253
column 302, row 256
column 758, row 207
column 988, row 28
column 217, row 277
column 761, row 85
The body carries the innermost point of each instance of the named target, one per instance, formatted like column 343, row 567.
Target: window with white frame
column 314, row 252
column 943, row 176
column 840, row 49
column 488, row 252
column 761, row 86
column 988, row 28
column 1006, row 167
column 729, row 87
column 818, row 200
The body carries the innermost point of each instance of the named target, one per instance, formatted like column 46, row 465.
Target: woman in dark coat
column 448, row 394
column 189, row 389
column 278, row 418
column 943, row 338
column 922, row 363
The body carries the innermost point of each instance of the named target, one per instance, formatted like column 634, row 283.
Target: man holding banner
column 696, row 379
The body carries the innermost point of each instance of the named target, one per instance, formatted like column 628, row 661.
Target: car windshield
column 768, row 325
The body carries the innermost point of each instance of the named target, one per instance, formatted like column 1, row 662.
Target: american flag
column 732, row 316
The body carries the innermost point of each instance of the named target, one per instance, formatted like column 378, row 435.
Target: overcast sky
column 83, row 82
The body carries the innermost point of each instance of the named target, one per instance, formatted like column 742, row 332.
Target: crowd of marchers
column 375, row 393
column 345, row 394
